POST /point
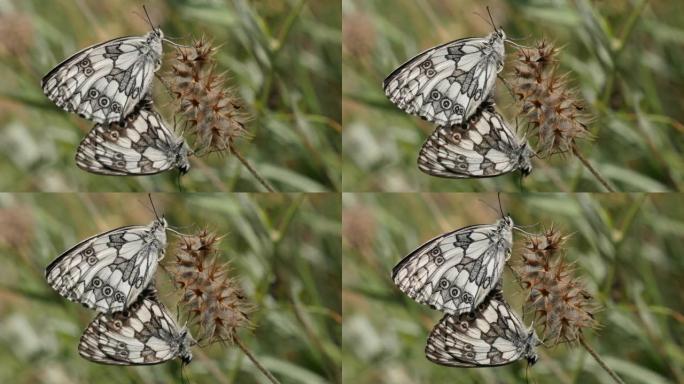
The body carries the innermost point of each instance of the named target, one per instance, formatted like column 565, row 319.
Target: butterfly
column 105, row 82
column 108, row 271
column 144, row 334
column 446, row 84
column 454, row 272
column 142, row 145
column 492, row 335
column 484, row 147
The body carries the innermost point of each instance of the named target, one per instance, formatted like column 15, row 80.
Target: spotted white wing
column 105, row 82
column 447, row 83
column 492, row 335
column 142, row 145
column 454, row 272
column 484, row 147
column 144, row 334
column 108, row 271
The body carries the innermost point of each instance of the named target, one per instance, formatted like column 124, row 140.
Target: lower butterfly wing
column 446, row 84
column 492, row 335
column 485, row 147
column 454, row 272
column 142, row 145
column 105, row 82
column 108, row 271
column 144, row 334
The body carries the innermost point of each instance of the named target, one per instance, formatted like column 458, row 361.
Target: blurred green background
column 281, row 56
column 626, row 248
column 283, row 249
column 624, row 57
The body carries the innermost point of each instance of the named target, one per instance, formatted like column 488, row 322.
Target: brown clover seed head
column 198, row 89
column 552, row 109
column 213, row 299
column 560, row 303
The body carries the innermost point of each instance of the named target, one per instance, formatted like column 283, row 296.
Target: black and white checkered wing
column 484, row 147
column 142, row 145
column 144, row 334
column 447, row 83
column 105, row 82
column 454, row 272
column 108, row 271
column 492, row 335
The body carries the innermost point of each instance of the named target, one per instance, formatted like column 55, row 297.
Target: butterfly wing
column 108, row 271
column 454, row 272
column 493, row 335
column 105, row 82
column 485, row 147
column 144, row 334
column 142, row 145
column 446, row 84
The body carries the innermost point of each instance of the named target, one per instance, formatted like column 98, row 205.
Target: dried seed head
column 560, row 303
column 553, row 110
column 213, row 113
column 213, row 300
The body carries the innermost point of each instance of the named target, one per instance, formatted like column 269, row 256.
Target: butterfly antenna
column 176, row 44
column 490, row 17
column 498, row 197
column 487, row 204
column 154, row 209
column 149, row 20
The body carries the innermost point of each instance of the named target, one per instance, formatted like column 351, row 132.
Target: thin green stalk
column 256, row 362
column 591, row 169
column 250, row 168
column 600, row 361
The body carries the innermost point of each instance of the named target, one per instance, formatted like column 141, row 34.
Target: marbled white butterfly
column 492, row 335
column 108, row 271
column 446, row 84
column 143, row 334
column 142, row 145
column 454, row 272
column 105, row 82
column 484, row 147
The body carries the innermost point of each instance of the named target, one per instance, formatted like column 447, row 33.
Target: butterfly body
column 144, row 334
column 455, row 271
column 492, row 335
column 105, row 82
column 484, row 147
column 142, row 145
column 447, row 83
column 108, row 271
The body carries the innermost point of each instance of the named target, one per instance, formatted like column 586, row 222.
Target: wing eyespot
column 97, row 283
column 93, row 93
column 107, row 291
column 443, row 283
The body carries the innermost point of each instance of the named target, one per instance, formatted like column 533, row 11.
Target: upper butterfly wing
column 106, row 81
column 445, row 84
column 454, row 272
column 143, row 145
column 485, row 147
column 492, row 335
column 108, row 271
column 144, row 334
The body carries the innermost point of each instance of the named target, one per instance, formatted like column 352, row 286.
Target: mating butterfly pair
column 109, row 83
column 450, row 85
column 459, row 273
column 112, row 273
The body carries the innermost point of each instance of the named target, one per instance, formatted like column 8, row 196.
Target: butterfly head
column 524, row 162
column 531, row 343
column 186, row 342
column 182, row 153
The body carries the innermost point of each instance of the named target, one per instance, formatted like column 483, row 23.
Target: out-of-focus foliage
column 626, row 249
column 624, row 56
column 281, row 57
column 284, row 250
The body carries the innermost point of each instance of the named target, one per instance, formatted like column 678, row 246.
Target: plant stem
column 599, row 360
column 255, row 361
column 591, row 169
column 250, row 167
